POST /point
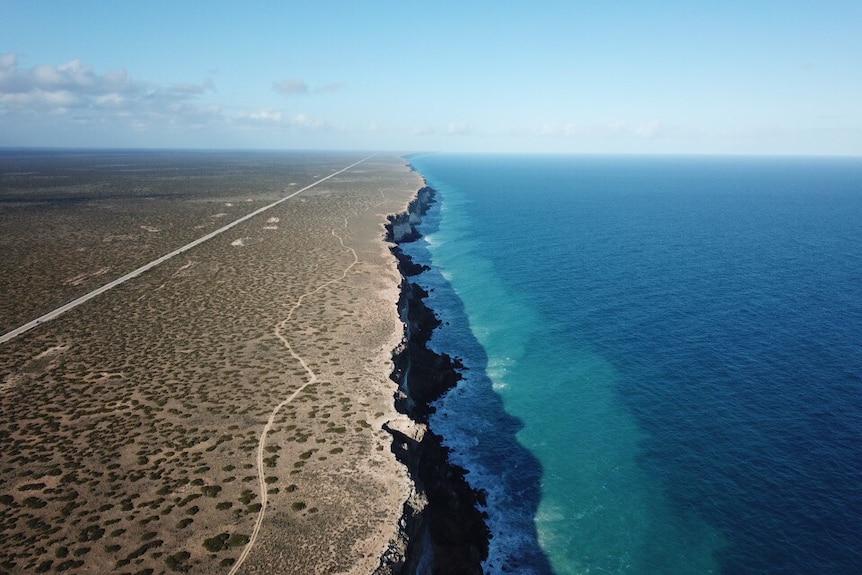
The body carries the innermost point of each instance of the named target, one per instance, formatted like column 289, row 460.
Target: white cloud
column 291, row 86
column 191, row 89
column 330, row 88
column 40, row 100
column 73, row 76
column 619, row 130
column 71, row 95
column 296, row 86
column 459, row 129
column 8, row 61
column 303, row 122
column 111, row 100
column 558, row 130
column 259, row 116
column 75, row 90
column 268, row 115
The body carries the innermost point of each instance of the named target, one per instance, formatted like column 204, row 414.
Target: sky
column 604, row 77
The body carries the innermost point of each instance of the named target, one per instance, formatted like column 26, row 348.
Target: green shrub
column 211, row 490
column 183, row 523
column 144, row 548
column 91, row 533
column 69, row 564
column 179, row 561
column 217, row 543
column 35, row 502
column 238, row 540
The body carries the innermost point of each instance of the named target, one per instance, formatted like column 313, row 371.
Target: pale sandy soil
column 132, row 428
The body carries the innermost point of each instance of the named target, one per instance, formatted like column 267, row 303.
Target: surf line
column 144, row 268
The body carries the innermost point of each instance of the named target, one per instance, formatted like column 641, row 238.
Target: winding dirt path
column 312, row 378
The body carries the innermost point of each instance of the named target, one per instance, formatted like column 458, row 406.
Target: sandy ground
column 138, row 430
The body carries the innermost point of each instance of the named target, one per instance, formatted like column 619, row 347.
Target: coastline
column 288, row 317
column 248, row 383
column 442, row 529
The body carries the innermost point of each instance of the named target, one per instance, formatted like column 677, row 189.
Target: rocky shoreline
column 442, row 528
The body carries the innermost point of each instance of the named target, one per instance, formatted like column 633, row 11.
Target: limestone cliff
column 402, row 227
column 442, row 530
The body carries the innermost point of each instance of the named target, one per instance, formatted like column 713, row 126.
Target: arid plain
column 145, row 430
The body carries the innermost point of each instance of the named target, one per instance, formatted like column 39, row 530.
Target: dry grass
column 129, row 426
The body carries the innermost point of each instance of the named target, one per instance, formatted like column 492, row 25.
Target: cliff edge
column 442, row 530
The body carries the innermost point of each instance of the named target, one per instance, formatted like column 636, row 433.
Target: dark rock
column 442, row 529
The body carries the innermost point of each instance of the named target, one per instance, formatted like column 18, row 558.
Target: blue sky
column 752, row 77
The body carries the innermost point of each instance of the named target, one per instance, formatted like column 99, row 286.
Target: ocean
column 663, row 358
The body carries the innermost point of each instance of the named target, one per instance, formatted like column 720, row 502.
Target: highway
column 135, row 273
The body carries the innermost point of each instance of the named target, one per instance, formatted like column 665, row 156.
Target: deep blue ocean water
column 664, row 358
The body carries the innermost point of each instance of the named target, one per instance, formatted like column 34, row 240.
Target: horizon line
column 407, row 154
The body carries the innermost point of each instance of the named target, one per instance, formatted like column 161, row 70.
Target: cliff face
column 442, row 531
column 402, row 227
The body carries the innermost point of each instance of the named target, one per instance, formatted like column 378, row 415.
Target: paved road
column 133, row 274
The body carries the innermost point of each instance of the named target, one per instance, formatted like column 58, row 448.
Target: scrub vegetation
column 130, row 426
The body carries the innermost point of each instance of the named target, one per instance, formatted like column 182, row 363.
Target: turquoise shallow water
column 664, row 364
